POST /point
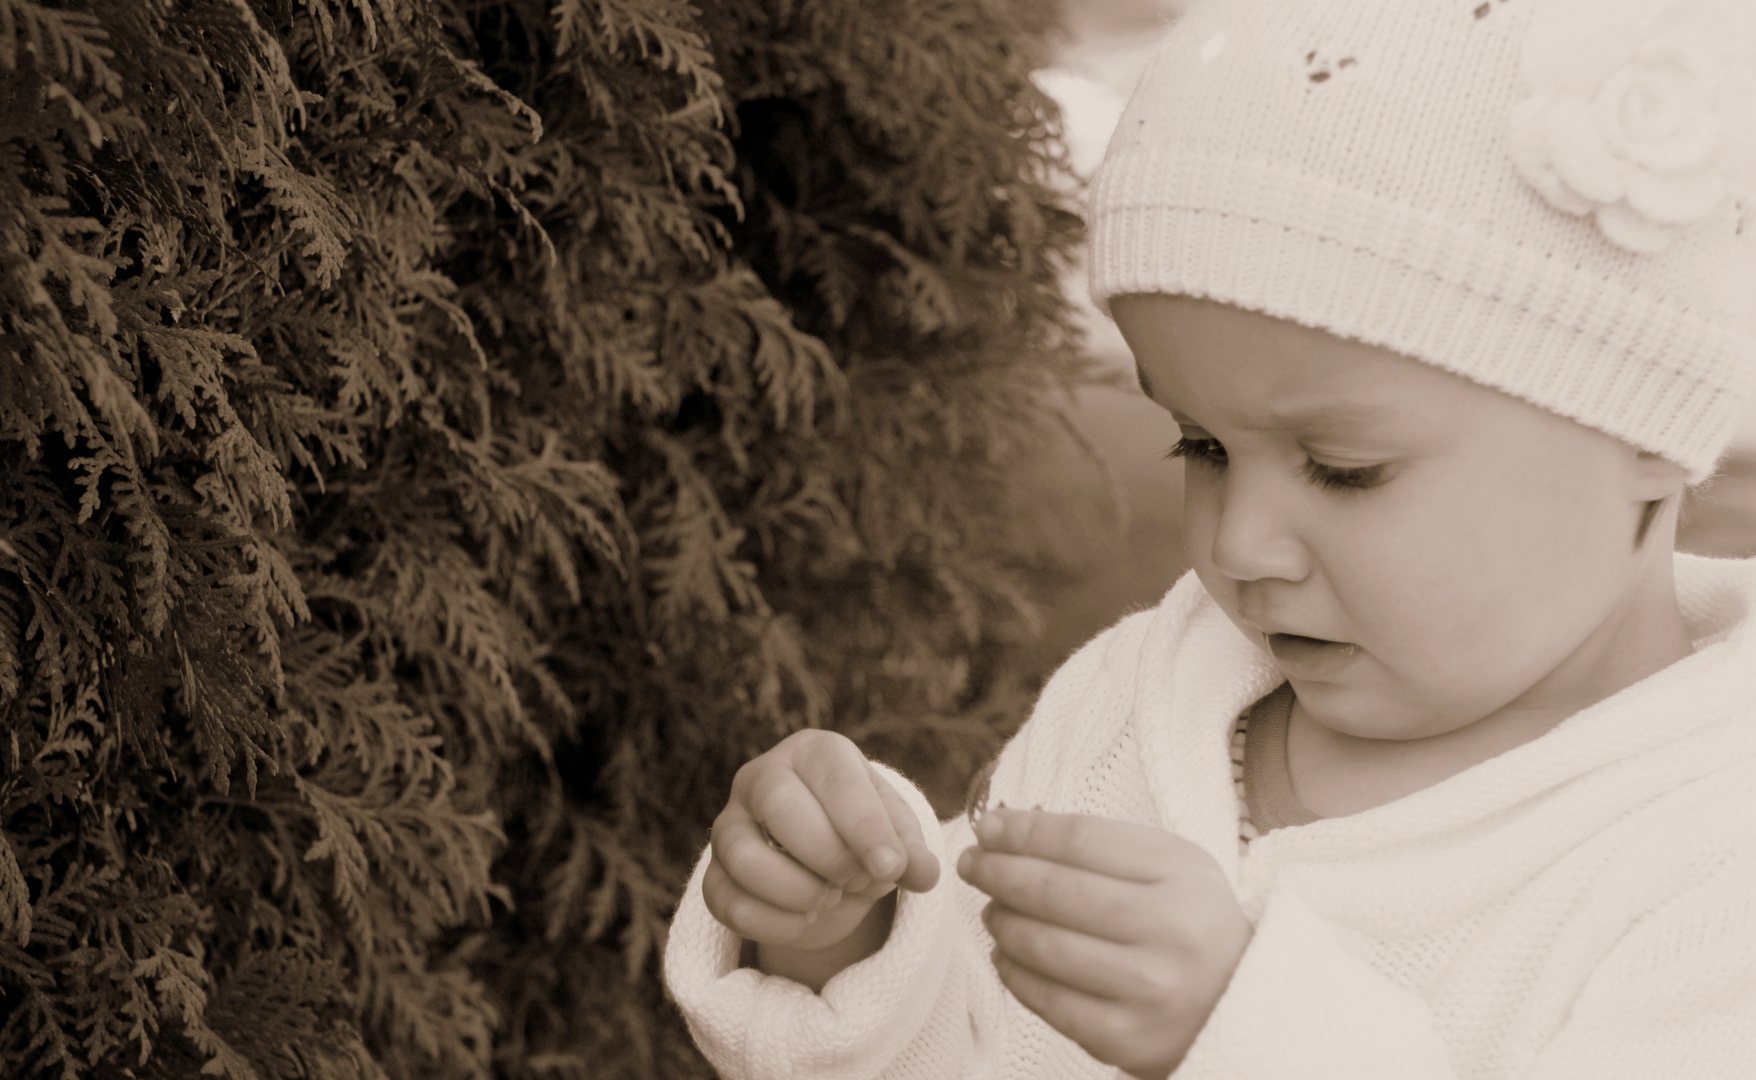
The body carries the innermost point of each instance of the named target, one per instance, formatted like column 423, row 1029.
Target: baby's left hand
column 1120, row 936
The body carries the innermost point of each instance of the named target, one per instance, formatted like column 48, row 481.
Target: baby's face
column 1414, row 550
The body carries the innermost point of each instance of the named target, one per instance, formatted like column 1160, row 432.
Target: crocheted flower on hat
column 1642, row 113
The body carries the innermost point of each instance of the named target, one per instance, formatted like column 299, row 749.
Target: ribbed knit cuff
column 753, row 1026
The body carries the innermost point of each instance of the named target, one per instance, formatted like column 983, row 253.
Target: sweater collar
column 1197, row 673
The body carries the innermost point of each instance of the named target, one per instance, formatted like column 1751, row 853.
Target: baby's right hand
column 843, row 839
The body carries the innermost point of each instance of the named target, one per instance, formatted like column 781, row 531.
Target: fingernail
column 810, row 917
column 830, row 898
column 857, row 885
column 966, row 860
column 886, row 862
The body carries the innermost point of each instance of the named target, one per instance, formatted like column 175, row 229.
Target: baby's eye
column 1203, row 451
column 1334, row 478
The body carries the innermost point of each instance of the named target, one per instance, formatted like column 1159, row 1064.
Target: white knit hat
column 1554, row 198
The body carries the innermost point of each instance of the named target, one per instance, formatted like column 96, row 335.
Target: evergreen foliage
column 439, row 441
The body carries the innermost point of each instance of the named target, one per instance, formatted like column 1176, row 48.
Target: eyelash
column 1210, row 453
column 1203, row 451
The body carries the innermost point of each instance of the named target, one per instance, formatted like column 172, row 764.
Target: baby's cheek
column 1430, row 642
column 1460, row 659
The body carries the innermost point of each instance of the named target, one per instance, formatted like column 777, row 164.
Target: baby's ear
column 1653, row 477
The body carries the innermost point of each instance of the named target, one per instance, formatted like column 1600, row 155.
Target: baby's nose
column 1255, row 537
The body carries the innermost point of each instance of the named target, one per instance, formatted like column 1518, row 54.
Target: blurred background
column 1130, row 562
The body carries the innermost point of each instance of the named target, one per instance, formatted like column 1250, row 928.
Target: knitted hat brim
column 1470, row 303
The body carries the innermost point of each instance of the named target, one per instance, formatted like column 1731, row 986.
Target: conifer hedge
column 441, row 439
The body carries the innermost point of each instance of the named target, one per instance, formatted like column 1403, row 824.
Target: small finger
column 782, row 804
column 1087, row 1020
column 746, row 915
column 764, row 871
column 1088, row 964
column 1081, row 900
column 843, row 784
column 1118, row 849
column 922, row 872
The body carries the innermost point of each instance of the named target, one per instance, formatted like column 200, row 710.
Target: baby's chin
column 1367, row 708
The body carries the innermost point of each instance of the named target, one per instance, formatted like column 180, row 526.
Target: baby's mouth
column 1302, row 638
column 1309, row 657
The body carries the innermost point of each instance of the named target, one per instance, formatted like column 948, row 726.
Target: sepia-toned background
column 442, row 440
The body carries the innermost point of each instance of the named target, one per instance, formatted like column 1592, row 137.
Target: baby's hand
column 1120, row 936
column 812, row 837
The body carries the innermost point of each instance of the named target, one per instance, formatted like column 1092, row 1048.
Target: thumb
column 922, row 872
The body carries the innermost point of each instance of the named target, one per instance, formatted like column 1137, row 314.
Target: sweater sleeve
column 928, row 1005
column 1300, row 1006
column 1676, row 996
column 899, row 1013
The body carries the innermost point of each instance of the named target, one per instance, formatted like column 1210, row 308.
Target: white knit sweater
column 1581, row 907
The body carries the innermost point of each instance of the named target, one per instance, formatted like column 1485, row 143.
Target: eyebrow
column 1323, row 416
column 1332, row 415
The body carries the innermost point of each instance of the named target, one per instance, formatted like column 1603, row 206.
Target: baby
column 1440, row 762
